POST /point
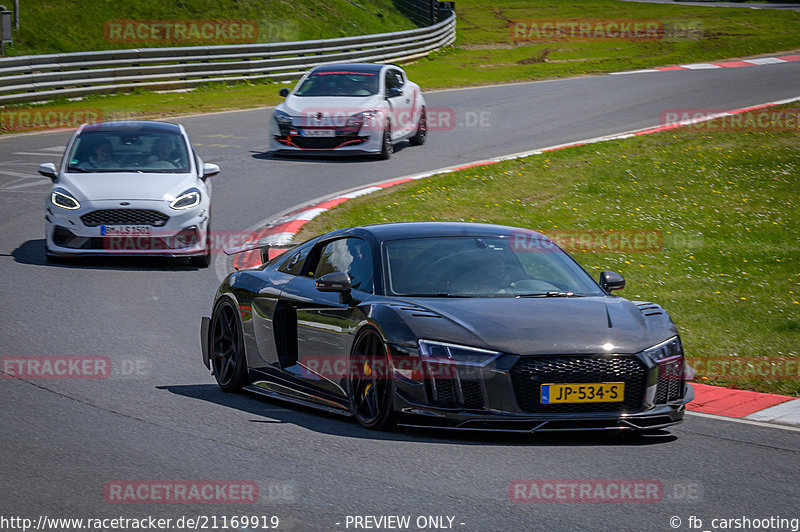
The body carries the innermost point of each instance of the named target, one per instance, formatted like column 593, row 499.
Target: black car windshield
column 339, row 83
column 129, row 151
column 482, row 267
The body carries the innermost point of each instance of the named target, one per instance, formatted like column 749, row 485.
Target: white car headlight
column 190, row 198
column 366, row 118
column 667, row 349
column 61, row 198
column 442, row 352
column 283, row 118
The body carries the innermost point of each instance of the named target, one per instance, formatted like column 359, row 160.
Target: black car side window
column 293, row 265
column 393, row 80
column 349, row 255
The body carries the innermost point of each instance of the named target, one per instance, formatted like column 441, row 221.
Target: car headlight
column 61, row 198
column 190, row 198
column 668, row 349
column 442, row 352
column 355, row 122
column 283, row 118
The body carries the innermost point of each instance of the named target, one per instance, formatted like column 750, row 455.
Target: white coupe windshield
column 340, row 83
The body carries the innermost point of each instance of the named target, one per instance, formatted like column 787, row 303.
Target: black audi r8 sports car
column 455, row 325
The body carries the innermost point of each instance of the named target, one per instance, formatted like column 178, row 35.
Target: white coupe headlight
column 366, row 118
column 668, row 349
column 283, row 118
column 61, row 198
column 451, row 353
column 190, row 198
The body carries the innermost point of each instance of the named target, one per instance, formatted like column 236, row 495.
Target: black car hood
column 539, row 325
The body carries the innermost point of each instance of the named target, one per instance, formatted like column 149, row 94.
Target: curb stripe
column 730, row 402
column 788, row 412
column 722, row 64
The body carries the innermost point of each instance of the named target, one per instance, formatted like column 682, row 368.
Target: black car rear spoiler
column 263, row 247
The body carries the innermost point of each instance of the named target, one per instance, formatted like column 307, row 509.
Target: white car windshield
column 132, row 151
column 340, row 83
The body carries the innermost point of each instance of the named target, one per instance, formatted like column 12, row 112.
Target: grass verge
column 726, row 204
column 59, row 26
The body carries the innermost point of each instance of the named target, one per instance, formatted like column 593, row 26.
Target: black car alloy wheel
column 371, row 381
column 226, row 347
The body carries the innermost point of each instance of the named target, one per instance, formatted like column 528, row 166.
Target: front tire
column 422, row 130
column 226, row 347
column 387, row 148
column 371, row 382
column 202, row 261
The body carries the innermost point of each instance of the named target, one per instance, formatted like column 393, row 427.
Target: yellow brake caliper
column 367, row 372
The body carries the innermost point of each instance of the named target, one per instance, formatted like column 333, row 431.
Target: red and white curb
column 722, row 64
column 752, row 407
column 745, row 404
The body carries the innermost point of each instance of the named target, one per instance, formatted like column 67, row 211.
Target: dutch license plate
column 126, row 230
column 318, row 133
column 599, row 392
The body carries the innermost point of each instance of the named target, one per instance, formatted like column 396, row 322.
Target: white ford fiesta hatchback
column 129, row 188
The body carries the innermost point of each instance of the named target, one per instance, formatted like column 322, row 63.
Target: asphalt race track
column 159, row 416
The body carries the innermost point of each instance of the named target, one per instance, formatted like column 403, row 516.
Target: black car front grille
column 670, row 381
column 530, row 372
column 124, row 217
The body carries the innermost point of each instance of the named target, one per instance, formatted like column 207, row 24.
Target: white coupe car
column 358, row 108
column 129, row 188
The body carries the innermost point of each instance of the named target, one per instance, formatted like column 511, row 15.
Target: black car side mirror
column 335, row 282
column 284, row 92
column 610, row 281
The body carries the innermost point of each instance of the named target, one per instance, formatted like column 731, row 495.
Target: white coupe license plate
column 319, row 133
column 126, row 230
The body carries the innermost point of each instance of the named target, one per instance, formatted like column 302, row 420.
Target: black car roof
column 133, row 126
column 401, row 230
column 364, row 67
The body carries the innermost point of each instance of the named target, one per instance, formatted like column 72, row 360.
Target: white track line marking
column 25, row 185
column 19, row 174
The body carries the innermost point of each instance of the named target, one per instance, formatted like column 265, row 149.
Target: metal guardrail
column 44, row 77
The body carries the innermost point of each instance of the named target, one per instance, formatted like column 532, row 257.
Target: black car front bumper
column 504, row 396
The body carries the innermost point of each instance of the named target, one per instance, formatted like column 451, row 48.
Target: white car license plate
column 126, row 230
column 319, row 133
